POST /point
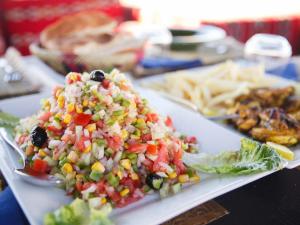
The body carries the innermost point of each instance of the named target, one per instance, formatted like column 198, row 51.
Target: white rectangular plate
column 281, row 82
column 37, row 201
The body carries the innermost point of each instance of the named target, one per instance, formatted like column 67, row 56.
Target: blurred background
column 175, row 34
column 22, row 20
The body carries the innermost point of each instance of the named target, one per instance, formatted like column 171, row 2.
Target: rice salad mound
column 99, row 136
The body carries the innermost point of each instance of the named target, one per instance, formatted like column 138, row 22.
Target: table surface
column 272, row 200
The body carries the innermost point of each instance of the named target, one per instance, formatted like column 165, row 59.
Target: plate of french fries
column 212, row 90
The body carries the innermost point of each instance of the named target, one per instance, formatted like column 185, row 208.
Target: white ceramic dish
column 280, row 82
column 36, row 201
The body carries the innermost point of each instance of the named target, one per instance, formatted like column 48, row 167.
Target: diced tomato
column 126, row 201
column 114, row 196
column 131, row 184
column 114, row 142
column 149, row 164
column 86, row 185
column 79, row 144
column 39, row 166
column 146, row 137
column 82, row 119
column 137, row 148
column 163, row 156
column 169, row 122
column 79, row 186
column 152, row 117
column 100, row 124
column 177, row 160
column 101, row 187
column 106, row 83
column 55, row 130
column 152, row 149
column 45, row 117
column 191, row 140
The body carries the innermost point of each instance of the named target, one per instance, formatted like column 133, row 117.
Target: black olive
column 38, row 136
column 97, row 75
column 154, row 181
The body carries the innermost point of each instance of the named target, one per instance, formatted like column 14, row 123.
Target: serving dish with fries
column 217, row 93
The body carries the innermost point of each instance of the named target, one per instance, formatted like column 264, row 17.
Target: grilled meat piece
column 277, row 126
column 269, row 115
column 268, row 97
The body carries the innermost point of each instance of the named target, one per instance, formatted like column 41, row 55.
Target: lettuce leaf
column 252, row 157
column 79, row 213
column 8, row 121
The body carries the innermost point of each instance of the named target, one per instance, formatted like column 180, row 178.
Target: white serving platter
column 279, row 82
column 37, row 201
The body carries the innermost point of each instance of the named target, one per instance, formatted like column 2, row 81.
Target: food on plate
column 86, row 41
column 110, row 148
column 268, row 115
column 252, row 157
column 9, row 122
column 79, row 213
column 282, row 150
column 214, row 90
column 99, row 136
column 80, row 29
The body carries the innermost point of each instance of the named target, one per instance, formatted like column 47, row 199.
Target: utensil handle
column 12, row 144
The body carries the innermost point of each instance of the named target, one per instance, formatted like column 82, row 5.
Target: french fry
column 213, row 90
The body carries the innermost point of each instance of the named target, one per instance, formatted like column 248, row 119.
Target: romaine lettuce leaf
column 252, row 157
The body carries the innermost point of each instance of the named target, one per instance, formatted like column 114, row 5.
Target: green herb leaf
column 252, row 157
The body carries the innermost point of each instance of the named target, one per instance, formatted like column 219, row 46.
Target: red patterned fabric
column 243, row 30
column 24, row 19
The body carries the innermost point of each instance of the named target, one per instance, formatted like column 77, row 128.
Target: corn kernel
column 103, row 201
column 67, row 118
column 42, row 153
column 78, row 109
column 67, row 168
column 195, row 178
column 124, row 192
column 85, row 102
column 91, row 127
column 73, row 76
column 58, row 92
column 134, row 176
column 46, row 103
column 172, row 175
column 70, row 107
column 183, row 178
column 97, row 166
column 126, row 163
column 92, row 104
column 120, row 174
column 61, row 101
column 88, row 149
column 72, row 157
column 124, row 134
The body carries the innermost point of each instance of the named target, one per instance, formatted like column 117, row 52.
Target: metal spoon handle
column 6, row 137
